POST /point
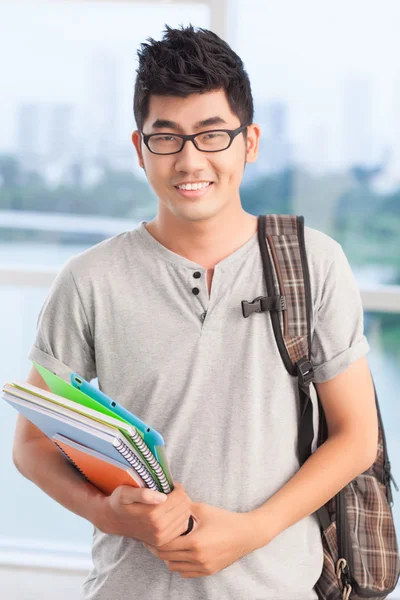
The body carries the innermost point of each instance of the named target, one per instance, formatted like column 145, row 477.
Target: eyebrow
column 166, row 124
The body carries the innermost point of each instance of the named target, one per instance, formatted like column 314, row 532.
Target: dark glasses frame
column 192, row 137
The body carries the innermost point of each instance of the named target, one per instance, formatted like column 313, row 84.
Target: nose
column 189, row 159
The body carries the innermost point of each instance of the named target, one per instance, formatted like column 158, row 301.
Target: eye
column 211, row 136
column 164, row 143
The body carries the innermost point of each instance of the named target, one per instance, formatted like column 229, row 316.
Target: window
column 68, row 179
column 326, row 97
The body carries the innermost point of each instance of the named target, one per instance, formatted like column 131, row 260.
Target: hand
column 133, row 512
column 218, row 539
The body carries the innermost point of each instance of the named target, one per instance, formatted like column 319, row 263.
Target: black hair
column 190, row 61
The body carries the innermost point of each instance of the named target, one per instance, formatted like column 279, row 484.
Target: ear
column 136, row 139
column 253, row 136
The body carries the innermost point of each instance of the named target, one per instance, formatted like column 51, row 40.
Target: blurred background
column 326, row 85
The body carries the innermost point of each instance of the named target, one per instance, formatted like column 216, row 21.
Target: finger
column 173, row 506
column 176, row 557
column 191, row 575
column 179, row 492
column 173, row 533
column 172, row 557
column 183, row 508
column 176, row 518
column 127, row 494
column 181, row 567
column 178, row 486
column 176, row 506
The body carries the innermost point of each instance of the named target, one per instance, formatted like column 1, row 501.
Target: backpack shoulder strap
column 283, row 252
column 281, row 240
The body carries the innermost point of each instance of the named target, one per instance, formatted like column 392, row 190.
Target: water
column 34, row 519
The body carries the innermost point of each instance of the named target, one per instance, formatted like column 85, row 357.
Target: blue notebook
column 110, row 442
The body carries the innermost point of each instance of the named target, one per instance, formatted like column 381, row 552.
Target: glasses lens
column 213, row 140
column 164, row 144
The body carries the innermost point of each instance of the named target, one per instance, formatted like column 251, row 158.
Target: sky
column 306, row 54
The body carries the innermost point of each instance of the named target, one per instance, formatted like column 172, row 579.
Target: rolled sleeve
column 338, row 339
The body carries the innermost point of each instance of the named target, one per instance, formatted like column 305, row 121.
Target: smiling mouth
column 203, row 187
column 194, row 193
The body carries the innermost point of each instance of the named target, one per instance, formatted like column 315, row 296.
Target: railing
column 50, row 555
column 72, row 558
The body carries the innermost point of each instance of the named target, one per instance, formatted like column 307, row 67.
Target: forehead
column 189, row 111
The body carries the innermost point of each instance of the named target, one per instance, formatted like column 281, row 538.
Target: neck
column 203, row 242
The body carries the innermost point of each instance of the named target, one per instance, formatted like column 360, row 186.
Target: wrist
column 97, row 509
column 261, row 529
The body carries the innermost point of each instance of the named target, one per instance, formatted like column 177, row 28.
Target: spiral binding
column 153, row 462
column 71, row 461
column 135, row 463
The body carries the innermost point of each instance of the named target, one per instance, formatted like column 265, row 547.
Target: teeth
column 194, row 186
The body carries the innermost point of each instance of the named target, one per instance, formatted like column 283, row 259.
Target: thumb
column 128, row 494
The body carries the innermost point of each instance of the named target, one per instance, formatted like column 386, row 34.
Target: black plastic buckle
column 263, row 304
column 305, row 372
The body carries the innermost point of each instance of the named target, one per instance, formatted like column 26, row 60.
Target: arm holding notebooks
column 128, row 511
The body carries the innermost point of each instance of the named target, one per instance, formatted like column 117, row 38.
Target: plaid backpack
column 361, row 557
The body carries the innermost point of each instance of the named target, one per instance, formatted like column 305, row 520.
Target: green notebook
column 66, row 390
column 60, row 387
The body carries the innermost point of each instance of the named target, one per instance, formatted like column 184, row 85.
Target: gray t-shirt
column 132, row 312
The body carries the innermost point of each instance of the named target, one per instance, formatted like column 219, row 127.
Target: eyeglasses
column 214, row 140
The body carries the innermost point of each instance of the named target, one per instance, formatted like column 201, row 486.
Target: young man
column 155, row 313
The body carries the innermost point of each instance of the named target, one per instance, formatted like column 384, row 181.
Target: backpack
column 361, row 556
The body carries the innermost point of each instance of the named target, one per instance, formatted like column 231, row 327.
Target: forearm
column 42, row 463
column 329, row 469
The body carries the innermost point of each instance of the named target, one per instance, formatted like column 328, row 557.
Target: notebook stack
column 108, row 449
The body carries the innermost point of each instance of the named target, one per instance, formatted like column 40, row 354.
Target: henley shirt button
column 197, row 275
column 196, row 291
column 203, row 316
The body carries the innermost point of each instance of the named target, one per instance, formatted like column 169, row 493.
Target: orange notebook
column 102, row 471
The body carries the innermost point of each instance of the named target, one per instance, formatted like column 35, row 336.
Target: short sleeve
column 338, row 339
column 64, row 342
